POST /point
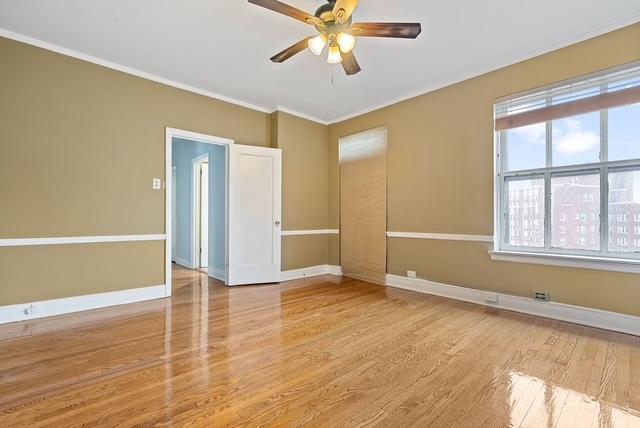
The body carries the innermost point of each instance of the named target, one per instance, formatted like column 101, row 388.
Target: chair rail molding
column 310, row 232
column 441, row 236
column 21, row 242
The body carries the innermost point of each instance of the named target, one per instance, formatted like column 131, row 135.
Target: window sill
column 582, row 262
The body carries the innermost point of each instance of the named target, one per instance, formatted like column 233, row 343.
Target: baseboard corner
column 311, row 271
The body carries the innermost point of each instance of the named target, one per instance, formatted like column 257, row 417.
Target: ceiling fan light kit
column 346, row 42
column 317, row 44
column 334, row 56
column 333, row 20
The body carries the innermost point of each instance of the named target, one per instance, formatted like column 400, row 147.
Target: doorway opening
column 222, row 209
column 198, row 193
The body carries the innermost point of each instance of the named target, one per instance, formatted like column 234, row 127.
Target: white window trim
column 598, row 260
column 568, row 260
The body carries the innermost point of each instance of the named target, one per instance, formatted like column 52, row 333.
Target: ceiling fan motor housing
column 332, row 26
column 325, row 12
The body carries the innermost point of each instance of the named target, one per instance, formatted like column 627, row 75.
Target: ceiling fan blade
column 386, row 29
column 344, row 8
column 290, row 51
column 350, row 64
column 285, row 9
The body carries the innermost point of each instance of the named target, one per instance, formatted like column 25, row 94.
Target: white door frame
column 196, row 209
column 170, row 133
column 174, row 210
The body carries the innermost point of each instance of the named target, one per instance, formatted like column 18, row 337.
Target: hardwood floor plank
column 324, row 351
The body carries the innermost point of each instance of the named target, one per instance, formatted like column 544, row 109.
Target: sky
column 576, row 140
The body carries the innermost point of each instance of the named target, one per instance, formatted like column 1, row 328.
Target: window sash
column 602, row 168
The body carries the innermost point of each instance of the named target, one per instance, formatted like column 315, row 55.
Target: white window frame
column 602, row 259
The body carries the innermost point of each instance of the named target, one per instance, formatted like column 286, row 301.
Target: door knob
column 277, row 222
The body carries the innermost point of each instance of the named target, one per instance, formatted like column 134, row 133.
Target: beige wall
column 440, row 178
column 29, row 274
column 304, row 251
column 305, row 192
column 80, row 145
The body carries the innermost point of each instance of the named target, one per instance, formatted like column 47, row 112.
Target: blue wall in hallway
column 184, row 151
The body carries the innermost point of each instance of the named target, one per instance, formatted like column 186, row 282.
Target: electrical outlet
column 541, row 295
column 411, row 273
column 492, row 299
column 157, row 184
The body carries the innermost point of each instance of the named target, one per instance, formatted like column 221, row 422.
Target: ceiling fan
column 334, row 23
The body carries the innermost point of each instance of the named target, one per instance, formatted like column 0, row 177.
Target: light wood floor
column 321, row 352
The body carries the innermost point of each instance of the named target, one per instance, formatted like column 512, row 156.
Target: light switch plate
column 157, row 183
column 411, row 273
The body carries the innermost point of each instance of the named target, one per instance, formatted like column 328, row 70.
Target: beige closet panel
column 363, row 205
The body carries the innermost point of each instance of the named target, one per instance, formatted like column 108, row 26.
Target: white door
column 254, row 215
column 204, row 215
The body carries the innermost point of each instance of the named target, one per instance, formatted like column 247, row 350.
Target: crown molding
column 496, row 66
column 302, row 115
column 424, row 90
column 128, row 70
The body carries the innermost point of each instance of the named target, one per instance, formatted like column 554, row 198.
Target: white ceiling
column 224, row 46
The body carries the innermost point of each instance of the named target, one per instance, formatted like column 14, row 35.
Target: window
column 568, row 168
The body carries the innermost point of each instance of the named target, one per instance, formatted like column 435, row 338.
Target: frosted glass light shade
column 334, row 56
column 316, row 44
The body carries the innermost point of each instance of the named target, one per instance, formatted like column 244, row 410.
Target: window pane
column 575, row 212
column 525, row 202
column 576, row 139
column 624, row 132
column 526, row 147
column 624, row 211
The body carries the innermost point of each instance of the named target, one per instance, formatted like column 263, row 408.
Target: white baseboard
column 576, row 314
column 47, row 308
column 218, row 274
column 334, row 270
column 184, row 263
column 307, row 272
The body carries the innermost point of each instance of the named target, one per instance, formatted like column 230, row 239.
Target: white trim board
column 567, row 260
column 311, row 271
column 47, row 308
column 21, row 242
column 440, row 236
column 310, row 232
column 301, row 115
column 576, row 314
